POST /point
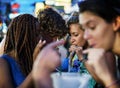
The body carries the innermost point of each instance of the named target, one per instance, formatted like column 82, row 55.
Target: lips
column 92, row 45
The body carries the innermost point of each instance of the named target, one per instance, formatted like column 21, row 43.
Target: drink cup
column 70, row 80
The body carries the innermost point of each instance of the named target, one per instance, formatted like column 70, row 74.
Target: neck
column 116, row 46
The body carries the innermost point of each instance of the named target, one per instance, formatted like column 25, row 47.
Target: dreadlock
column 22, row 38
column 52, row 23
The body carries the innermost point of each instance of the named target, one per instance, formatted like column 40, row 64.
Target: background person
column 76, row 41
column 52, row 26
column 101, row 21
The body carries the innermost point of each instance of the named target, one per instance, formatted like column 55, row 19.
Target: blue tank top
column 16, row 73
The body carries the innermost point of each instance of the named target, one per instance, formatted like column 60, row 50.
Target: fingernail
column 44, row 41
column 40, row 41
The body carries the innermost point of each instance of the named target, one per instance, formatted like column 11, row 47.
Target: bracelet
column 113, row 83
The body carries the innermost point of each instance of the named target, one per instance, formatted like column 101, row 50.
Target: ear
column 116, row 24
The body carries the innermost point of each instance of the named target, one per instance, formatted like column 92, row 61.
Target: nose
column 72, row 40
column 86, row 34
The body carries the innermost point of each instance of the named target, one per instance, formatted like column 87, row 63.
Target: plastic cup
column 70, row 80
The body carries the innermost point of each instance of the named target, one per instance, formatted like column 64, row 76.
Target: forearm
column 43, row 80
column 92, row 73
column 112, row 83
column 28, row 82
column 109, row 81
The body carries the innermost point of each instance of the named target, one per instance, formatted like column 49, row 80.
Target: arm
column 27, row 83
column 6, row 80
column 5, row 75
column 47, row 61
column 102, row 67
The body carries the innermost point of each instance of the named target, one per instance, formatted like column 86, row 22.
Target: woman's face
column 98, row 32
column 76, row 35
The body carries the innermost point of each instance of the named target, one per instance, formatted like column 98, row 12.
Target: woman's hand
column 101, row 65
column 78, row 50
column 38, row 48
column 48, row 59
column 46, row 62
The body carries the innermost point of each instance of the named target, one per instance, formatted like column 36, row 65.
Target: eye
column 92, row 28
column 75, row 34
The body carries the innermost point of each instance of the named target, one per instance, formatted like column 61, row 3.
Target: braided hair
column 22, row 38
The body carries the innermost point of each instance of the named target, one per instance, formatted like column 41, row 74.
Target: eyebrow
column 81, row 26
column 90, row 21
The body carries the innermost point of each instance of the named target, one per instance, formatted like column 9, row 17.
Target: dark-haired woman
column 101, row 21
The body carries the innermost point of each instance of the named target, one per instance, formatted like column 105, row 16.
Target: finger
column 73, row 48
column 41, row 43
column 86, row 51
column 44, row 41
column 57, row 43
column 79, row 49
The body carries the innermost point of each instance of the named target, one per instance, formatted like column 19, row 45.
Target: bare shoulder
column 5, row 74
column 3, row 62
column 4, row 65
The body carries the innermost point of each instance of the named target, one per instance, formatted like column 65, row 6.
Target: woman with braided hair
column 17, row 60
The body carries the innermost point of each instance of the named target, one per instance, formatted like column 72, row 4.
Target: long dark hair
column 22, row 38
column 109, row 10
column 106, row 9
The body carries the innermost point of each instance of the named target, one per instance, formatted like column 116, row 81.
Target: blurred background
column 12, row 8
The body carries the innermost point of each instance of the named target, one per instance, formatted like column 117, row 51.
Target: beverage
column 70, row 80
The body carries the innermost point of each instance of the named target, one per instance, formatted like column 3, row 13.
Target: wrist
column 114, row 84
column 42, row 79
column 40, row 72
column 109, row 80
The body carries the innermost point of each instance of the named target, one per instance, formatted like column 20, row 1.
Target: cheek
column 80, row 40
column 104, row 37
column 108, row 39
